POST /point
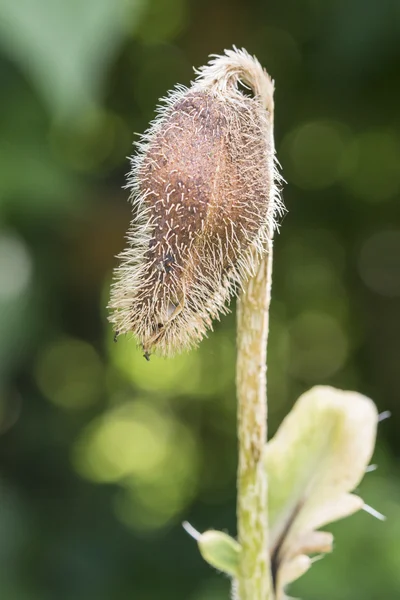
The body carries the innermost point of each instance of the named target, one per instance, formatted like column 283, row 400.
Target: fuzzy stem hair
column 254, row 580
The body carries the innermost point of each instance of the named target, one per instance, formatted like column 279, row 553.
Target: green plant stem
column 254, row 580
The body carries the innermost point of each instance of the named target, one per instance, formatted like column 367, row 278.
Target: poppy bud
column 205, row 199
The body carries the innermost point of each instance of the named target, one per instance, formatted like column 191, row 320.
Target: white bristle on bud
column 205, row 193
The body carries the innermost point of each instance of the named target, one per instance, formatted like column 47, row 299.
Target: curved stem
column 254, row 581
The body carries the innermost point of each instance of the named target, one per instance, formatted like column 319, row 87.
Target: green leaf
column 317, row 457
column 219, row 549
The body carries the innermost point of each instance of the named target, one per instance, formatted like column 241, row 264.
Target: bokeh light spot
column 130, row 439
column 314, row 261
column 312, row 154
column 375, row 160
column 152, row 455
column 15, row 266
column 318, row 346
column 152, row 505
column 69, row 373
column 379, row 263
column 178, row 374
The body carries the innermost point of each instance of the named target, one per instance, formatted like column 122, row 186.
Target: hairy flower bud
column 205, row 199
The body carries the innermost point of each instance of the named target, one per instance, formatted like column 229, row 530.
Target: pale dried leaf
column 317, row 457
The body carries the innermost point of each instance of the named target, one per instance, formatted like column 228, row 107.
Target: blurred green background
column 102, row 455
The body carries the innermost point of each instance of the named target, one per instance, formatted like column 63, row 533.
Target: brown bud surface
column 205, row 199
